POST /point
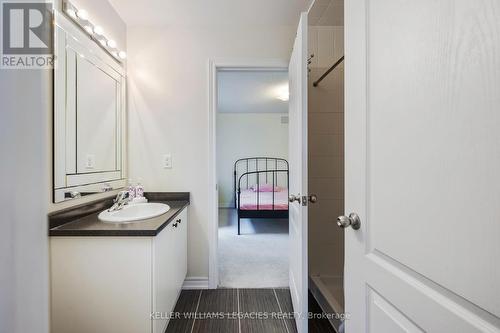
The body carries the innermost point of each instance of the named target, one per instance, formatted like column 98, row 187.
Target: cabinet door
column 170, row 268
column 164, row 289
column 100, row 284
column 180, row 250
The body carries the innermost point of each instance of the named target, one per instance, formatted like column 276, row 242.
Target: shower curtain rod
column 315, row 84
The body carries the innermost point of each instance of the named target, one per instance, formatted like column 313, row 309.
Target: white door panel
column 297, row 73
column 384, row 317
column 422, row 160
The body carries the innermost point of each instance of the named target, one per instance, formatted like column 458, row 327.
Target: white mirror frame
column 70, row 39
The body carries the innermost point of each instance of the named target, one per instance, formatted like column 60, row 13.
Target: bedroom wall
column 242, row 135
column 168, row 71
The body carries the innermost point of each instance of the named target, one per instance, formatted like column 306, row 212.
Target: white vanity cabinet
column 117, row 284
column 167, row 282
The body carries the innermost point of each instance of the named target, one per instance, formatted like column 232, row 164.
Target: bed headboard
column 259, row 170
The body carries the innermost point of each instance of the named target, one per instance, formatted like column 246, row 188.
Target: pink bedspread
column 248, row 200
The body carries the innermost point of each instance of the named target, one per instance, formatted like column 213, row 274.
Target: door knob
column 293, row 198
column 312, row 198
column 351, row 220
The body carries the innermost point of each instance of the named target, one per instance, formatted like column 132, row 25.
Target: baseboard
column 226, row 204
column 195, row 282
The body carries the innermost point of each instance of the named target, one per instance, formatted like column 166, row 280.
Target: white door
column 297, row 73
column 423, row 165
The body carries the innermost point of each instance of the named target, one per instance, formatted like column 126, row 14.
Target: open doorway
column 326, row 156
column 251, row 145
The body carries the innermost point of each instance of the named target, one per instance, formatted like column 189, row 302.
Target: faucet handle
column 106, row 187
column 119, row 201
column 72, row 195
column 121, row 196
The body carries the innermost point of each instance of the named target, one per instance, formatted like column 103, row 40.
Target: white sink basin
column 134, row 212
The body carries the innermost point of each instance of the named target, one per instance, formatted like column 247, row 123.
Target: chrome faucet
column 122, row 198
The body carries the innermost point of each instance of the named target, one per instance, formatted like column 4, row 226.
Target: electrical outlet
column 167, row 161
column 90, row 161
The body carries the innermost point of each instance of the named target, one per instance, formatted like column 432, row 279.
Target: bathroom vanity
column 117, row 277
column 121, row 273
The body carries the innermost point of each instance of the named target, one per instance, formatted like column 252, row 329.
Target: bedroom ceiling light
column 282, row 93
column 95, row 32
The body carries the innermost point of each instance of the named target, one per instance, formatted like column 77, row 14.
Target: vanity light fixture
column 82, row 14
column 95, row 32
column 89, row 29
column 71, row 12
column 98, row 30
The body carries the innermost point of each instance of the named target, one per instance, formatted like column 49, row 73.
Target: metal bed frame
column 272, row 172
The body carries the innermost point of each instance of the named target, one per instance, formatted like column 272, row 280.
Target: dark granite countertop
column 82, row 220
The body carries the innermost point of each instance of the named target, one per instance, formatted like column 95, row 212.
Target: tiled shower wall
column 326, row 152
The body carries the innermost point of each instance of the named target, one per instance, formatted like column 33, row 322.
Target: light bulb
column 111, row 43
column 103, row 42
column 282, row 93
column 89, row 29
column 122, row 54
column 82, row 13
column 71, row 12
column 98, row 30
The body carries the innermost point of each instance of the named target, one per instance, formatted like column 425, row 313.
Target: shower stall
column 326, row 155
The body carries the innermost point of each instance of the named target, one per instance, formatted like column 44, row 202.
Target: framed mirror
column 89, row 115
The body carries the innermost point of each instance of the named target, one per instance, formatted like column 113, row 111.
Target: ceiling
column 252, row 91
column 327, row 13
column 210, row 12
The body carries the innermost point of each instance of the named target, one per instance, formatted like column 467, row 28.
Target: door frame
column 213, row 216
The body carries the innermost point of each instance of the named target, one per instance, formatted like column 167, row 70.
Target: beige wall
column 241, row 135
column 326, row 152
column 168, row 109
column 23, row 199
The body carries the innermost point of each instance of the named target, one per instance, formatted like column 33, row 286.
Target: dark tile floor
column 239, row 311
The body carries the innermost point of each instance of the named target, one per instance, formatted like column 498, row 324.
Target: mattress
column 248, row 200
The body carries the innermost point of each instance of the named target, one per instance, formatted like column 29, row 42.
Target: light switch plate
column 167, row 161
column 90, row 161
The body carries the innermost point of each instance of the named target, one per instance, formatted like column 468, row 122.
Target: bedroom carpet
column 258, row 258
